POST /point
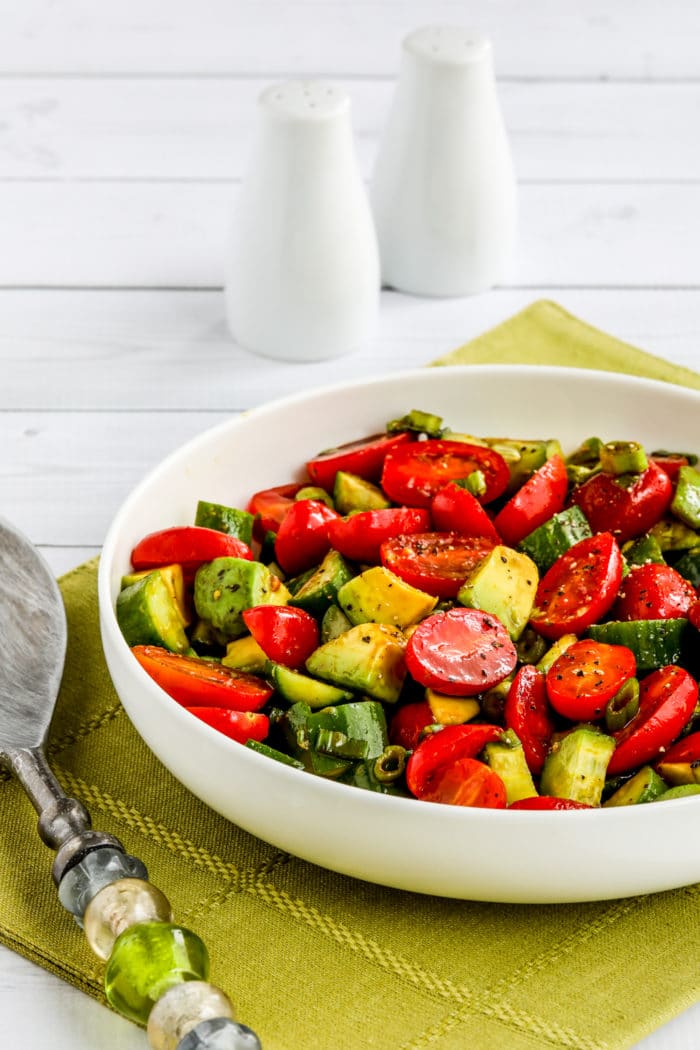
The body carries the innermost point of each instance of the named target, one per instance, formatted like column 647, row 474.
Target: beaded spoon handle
column 156, row 972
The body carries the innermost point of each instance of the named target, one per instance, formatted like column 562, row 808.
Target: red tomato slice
column 270, row 507
column 469, row 782
column 460, row 652
column 588, row 674
column 408, row 723
column 528, row 714
column 611, row 506
column 671, row 464
column 653, row 592
column 579, row 588
column 435, row 562
column 285, row 634
column 302, row 538
column 414, row 473
column 455, row 509
column 548, row 802
column 694, row 615
column 365, row 458
column 188, row 545
column 443, row 767
column 685, row 750
column 535, row 502
column 238, row 725
column 361, row 535
column 194, row 682
column 667, row 699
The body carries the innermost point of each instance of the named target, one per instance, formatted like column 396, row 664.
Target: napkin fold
column 311, row 958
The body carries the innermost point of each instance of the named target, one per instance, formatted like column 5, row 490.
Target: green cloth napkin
column 315, row 959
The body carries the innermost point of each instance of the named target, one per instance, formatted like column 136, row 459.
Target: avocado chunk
column 379, row 596
column 672, row 535
column 504, row 584
column 244, row 654
column 645, row 786
column 676, row 773
column 319, row 588
column 295, row 687
column 507, row 758
column 679, row 791
column 451, row 710
column 523, row 458
column 368, row 658
column 148, row 614
column 351, row 492
column 575, row 766
column 224, row 587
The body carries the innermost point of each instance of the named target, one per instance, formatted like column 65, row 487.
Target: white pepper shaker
column 443, row 190
column 302, row 274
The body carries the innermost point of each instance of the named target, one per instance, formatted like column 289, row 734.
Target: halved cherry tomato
column 694, row 615
column 667, row 699
column 535, row 502
column 653, row 592
column 626, row 510
column 548, row 802
column 685, row 750
column 188, row 545
column 443, row 768
column 455, row 509
column 361, row 535
column 202, row 683
column 588, row 674
column 460, row 652
column 365, row 458
column 671, row 464
column 302, row 538
column 238, row 725
column 414, row 473
column 285, row 634
column 435, row 562
column 270, row 507
column 528, row 714
column 579, row 588
column 408, row 723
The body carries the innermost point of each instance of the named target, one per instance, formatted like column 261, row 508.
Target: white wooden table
column 124, row 129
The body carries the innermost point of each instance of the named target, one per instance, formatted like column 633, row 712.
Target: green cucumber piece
column 686, row 499
column 296, row 687
column 688, row 565
column 148, row 614
column 680, row 791
column 355, row 730
column 225, row 587
column 420, row 422
column 654, row 643
column 295, row 728
column 643, row 551
column 645, row 786
column 234, row 522
column 272, row 752
column 319, row 589
column 552, row 539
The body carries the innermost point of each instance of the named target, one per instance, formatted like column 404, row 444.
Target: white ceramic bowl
column 448, row 850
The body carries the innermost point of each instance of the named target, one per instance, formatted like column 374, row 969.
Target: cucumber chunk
column 148, row 614
column 654, row 643
column 552, row 539
column 575, row 767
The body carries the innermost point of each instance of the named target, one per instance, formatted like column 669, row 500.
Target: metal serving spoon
column 33, row 636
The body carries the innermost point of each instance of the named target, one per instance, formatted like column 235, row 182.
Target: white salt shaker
column 302, row 274
column 443, row 190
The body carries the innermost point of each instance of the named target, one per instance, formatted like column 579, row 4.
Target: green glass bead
column 118, row 906
column 181, row 1009
column 146, row 960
